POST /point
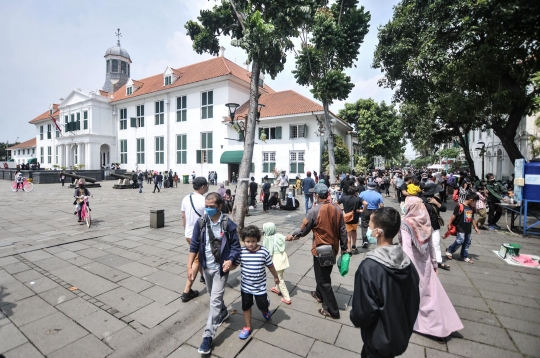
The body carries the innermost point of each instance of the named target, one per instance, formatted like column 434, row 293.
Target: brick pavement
column 113, row 290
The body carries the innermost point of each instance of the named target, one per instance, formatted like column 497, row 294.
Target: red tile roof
column 28, row 144
column 104, row 93
column 46, row 115
column 197, row 72
column 282, row 104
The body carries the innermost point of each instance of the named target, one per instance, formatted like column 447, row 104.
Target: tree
column 378, row 127
column 330, row 44
column 264, row 29
column 341, row 154
column 473, row 58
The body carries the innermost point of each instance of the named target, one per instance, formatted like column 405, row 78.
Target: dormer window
column 129, row 90
column 168, row 80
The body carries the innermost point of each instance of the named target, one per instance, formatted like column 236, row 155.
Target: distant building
column 23, row 152
column 178, row 120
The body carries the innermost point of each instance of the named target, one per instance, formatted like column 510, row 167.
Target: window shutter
column 265, row 168
column 300, row 167
column 184, row 142
column 210, row 144
column 290, row 132
column 272, row 166
column 293, row 167
column 278, row 132
column 210, row 156
column 305, row 131
column 203, row 139
column 198, row 157
column 133, row 122
column 184, row 157
column 78, row 125
column 85, row 124
column 253, row 167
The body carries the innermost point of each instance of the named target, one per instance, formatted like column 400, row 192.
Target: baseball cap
column 320, row 189
column 371, row 184
column 200, row 181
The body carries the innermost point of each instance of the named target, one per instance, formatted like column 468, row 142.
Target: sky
column 51, row 47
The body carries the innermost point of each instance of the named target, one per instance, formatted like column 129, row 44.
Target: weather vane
column 118, row 34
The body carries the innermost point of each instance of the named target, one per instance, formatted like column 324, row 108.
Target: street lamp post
column 240, row 126
column 482, row 153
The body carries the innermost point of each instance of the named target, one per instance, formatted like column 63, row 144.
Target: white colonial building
column 178, row 120
column 24, row 153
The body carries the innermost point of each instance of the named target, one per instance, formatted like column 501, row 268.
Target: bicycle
column 26, row 185
column 85, row 212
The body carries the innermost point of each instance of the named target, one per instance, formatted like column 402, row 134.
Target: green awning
column 231, row 157
column 32, row 161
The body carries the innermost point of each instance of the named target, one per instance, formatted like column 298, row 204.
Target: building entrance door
column 233, row 169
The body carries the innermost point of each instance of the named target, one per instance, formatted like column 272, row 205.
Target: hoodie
column 386, row 301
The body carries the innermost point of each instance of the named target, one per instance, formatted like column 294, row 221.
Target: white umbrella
column 435, row 166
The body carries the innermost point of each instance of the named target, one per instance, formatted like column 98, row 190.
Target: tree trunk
column 241, row 201
column 330, row 143
column 466, row 150
column 507, row 132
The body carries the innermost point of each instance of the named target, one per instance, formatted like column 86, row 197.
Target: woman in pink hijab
column 437, row 316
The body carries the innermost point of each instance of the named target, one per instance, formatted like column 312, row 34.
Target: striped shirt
column 253, row 270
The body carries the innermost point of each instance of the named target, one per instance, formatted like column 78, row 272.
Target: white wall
column 26, row 153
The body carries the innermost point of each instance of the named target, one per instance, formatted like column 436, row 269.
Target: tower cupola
column 118, row 65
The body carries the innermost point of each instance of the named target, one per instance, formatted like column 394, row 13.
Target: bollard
column 157, row 218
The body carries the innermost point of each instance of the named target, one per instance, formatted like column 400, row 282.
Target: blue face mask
column 371, row 239
column 211, row 211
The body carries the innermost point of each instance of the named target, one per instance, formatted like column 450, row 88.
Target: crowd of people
column 396, row 287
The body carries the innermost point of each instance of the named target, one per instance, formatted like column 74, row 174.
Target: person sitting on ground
column 273, row 202
column 292, row 203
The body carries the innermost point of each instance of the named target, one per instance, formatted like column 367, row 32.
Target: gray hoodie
column 390, row 256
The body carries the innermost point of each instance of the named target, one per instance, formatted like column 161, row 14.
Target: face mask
column 371, row 239
column 403, row 210
column 211, row 211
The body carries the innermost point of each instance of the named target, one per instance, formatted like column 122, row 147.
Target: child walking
column 253, row 258
column 463, row 220
column 275, row 244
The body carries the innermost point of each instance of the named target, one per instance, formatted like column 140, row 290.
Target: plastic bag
column 343, row 264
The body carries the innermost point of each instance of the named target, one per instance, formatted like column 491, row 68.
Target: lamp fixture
column 232, row 109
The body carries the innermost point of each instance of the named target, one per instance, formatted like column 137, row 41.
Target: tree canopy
column 378, row 127
column 470, row 62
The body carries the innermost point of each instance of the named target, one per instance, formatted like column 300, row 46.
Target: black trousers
column 400, row 197
column 265, row 201
column 495, row 212
column 367, row 354
column 324, row 287
column 444, row 196
column 365, row 223
column 387, row 189
column 283, row 192
column 63, row 181
column 253, row 200
column 156, row 186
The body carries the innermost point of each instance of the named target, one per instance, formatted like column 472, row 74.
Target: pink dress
column 437, row 316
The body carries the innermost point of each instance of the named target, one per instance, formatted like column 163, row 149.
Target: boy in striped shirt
column 253, row 259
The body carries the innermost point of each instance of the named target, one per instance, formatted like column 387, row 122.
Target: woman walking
column 437, row 316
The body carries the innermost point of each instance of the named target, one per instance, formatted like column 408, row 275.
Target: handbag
column 325, row 254
column 439, row 219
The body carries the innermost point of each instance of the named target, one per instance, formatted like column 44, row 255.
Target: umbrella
column 435, row 166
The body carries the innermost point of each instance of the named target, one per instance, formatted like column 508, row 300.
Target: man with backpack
column 216, row 243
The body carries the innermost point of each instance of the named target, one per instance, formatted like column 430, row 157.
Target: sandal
column 276, row 291
column 444, row 267
column 325, row 313
column 285, row 301
column 468, row 260
column 314, row 295
column 449, row 256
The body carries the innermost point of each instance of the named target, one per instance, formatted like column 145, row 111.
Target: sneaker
column 206, row 346
column 354, row 251
column 186, row 297
column 245, row 333
column 491, row 227
column 497, row 227
column 224, row 318
column 365, row 245
column 202, row 279
column 267, row 315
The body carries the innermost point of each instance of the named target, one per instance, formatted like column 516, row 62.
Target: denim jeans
column 308, row 198
column 464, row 240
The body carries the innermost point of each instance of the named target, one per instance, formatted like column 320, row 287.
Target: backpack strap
column 193, row 206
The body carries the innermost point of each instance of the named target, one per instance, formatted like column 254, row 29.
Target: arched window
column 114, row 66
column 123, row 67
column 108, row 66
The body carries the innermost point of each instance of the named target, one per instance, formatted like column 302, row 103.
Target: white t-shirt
column 191, row 216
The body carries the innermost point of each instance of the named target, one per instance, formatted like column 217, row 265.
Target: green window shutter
column 184, row 157
column 210, row 97
column 272, row 166
column 210, row 156
column 210, row 144
column 142, row 121
column 241, row 136
column 293, row 167
column 210, row 111
column 178, row 116
column 265, row 167
column 85, row 124
column 203, row 140
column 204, row 111
column 300, row 167
column 184, row 142
column 290, row 132
column 78, row 125
column 305, row 131
column 133, row 122
column 198, row 157
column 253, row 167
column 278, row 132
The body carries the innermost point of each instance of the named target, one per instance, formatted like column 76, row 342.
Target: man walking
column 371, row 201
column 140, row 180
column 216, row 258
column 192, row 210
column 346, row 183
column 495, row 192
column 283, row 184
column 156, row 183
column 253, row 192
column 326, row 221
column 309, row 183
column 170, row 178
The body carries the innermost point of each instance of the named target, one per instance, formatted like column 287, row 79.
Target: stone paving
column 113, row 290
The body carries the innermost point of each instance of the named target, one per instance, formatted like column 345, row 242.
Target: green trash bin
column 185, row 179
